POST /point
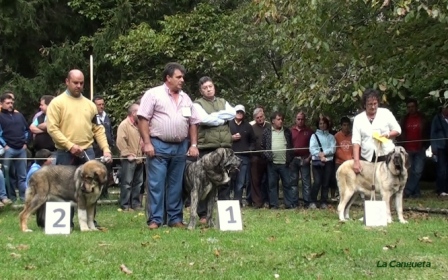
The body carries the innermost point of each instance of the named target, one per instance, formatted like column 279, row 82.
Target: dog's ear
column 222, row 156
column 100, row 174
column 405, row 157
column 389, row 157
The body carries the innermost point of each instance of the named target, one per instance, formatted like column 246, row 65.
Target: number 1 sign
column 57, row 218
column 229, row 215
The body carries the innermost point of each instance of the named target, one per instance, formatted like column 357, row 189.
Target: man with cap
column 243, row 141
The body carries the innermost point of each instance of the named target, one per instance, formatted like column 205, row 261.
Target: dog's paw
column 190, row 227
column 27, row 230
column 404, row 221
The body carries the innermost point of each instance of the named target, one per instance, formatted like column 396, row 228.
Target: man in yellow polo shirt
column 73, row 124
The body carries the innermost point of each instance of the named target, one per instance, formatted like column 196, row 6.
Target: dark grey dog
column 203, row 177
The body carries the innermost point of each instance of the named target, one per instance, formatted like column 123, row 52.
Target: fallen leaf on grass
column 125, row 269
column 276, row 276
column 140, row 214
column 216, row 253
column 145, row 244
column 23, row 247
column 120, row 210
column 10, row 246
column 271, row 238
column 103, row 244
column 166, row 231
column 156, row 237
column 192, row 263
column 103, row 229
column 346, row 251
column 389, row 247
column 288, row 221
column 30, row 267
column 14, row 255
column 313, row 256
column 425, row 239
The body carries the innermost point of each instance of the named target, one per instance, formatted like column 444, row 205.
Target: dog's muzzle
column 233, row 165
column 398, row 162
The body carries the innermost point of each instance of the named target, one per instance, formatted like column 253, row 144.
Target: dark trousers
column 322, row 177
column 258, row 169
column 276, row 171
column 442, row 171
column 130, row 184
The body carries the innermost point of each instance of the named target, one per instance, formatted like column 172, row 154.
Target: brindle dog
column 203, row 177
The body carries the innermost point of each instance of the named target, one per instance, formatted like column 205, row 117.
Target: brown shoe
column 178, row 225
column 153, row 226
column 203, row 221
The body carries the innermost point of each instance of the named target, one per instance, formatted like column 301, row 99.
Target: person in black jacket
column 243, row 138
column 277, row 143
column 13, row 137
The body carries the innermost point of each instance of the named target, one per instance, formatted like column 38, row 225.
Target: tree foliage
column 317, row 55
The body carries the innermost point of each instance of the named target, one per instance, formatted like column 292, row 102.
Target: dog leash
column 372, row 194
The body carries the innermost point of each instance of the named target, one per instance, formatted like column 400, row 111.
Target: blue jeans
column 322, row 177
column 131, row 182
column 297, row 167
column 240, row 178
column 274, row 172
column 165, row 173
column 3, row 194
column 442, row 171
column 19, row 166
column 417, row 160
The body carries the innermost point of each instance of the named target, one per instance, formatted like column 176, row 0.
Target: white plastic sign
column 229, row 215
column 57, row 218
column 375, row 213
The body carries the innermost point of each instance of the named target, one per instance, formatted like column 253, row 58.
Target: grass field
column 283, row 244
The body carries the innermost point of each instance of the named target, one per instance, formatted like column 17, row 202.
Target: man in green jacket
column 214, row 132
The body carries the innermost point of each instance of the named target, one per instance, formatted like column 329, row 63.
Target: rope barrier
column 243, row 152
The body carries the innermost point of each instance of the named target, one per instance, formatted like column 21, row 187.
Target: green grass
column 294, row 244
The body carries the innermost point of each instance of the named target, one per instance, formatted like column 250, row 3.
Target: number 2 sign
column 57, row 218
column 229, row 215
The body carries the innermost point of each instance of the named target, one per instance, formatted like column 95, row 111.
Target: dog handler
column 372, row 120
column 166, row 118
column 73, row 124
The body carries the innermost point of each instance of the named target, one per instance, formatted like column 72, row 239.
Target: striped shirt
column 166, row 118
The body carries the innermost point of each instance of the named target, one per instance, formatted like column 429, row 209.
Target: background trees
column 318, row 55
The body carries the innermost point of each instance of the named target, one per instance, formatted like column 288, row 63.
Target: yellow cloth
column 69, row 122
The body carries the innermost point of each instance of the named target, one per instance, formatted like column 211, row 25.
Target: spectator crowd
column 165, row 128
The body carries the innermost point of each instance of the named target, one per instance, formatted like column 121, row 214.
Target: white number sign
column 57, row 218
column 229, row 215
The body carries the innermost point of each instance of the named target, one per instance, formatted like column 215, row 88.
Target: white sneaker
column 312, row 206
column 2, row 205
column 6, row 201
